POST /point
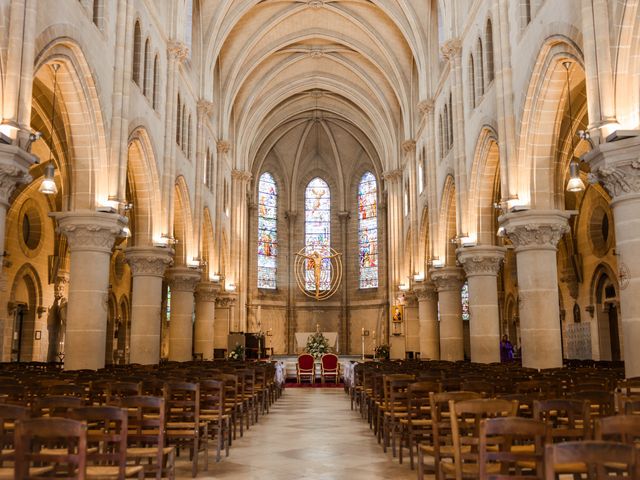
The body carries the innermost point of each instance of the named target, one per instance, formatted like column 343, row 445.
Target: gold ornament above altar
column 318, row 276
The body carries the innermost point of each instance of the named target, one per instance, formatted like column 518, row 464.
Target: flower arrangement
column 382, row 352
column 237, row 353
column 317, row 345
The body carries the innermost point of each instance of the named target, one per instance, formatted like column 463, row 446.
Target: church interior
column 236, row 206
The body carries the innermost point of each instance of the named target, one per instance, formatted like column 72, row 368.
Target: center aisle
column 311, row 433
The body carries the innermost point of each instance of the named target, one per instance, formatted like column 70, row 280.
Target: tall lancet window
column 317, row 234
column 368, row 230
column 267, row 231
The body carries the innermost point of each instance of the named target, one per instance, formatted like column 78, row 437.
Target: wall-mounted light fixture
column 418, row 277
column 230, row 287
column 436, row 262
column 403, row 287
column 215, row 277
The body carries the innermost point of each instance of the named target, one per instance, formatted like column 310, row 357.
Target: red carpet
column 315, row 385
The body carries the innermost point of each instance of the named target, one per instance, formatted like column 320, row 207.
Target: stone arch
column 183, row 223
column 627, row 67
column 143, row 180
column 424, row 243
column 604, row 294
column 541, row 122
column 448, row 222
column 208, row 246
column 80, row 106
column 26, row 299
column 483, row 184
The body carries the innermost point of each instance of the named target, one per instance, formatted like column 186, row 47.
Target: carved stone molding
column 207, row 292
column 409, row 146
column 182, row 279
column 316, row 52
column 447, row 278
column 426, row 292
column 177, row 50
column 392, row 175
column 316, row 3
column 14, row 170
column 452, row 48
column 616, row 165
column 535, row 229
column 225, row 301
column 241, row 175
column 205, row 107
column 90, row 231
column 223, row 146
column 481, row 260
column 148, row 261
column 344, row 216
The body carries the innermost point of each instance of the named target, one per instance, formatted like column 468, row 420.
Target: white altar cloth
column 302, row 337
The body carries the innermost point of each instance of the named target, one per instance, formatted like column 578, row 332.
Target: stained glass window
column 368, row 231
column 317, row 215
column 464, row 294
column 267, row 231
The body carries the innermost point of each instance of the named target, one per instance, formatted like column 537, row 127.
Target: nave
column 310, row 434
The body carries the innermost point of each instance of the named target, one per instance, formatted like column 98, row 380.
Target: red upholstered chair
column 330, row 367
column 306, row 367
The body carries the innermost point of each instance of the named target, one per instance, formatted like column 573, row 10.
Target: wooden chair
column 9, row 415
column 55, row 406
column 569, row 419
column 619, row 428
column 329, row 367
column 116, row 390
column 306, row 368
column 184, row 427
column 107, row 442
column 68, row 389
column 48, row 447
column 598, row 459
column 146, row 435
column 487, row 389
column 213, row 410
column 417, row 426
column 441, row 449
column 395, row 406
column 631, row 406
column 465, row 417
column 514, row 445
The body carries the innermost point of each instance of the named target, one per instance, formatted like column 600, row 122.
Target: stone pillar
column 206, row 293
column 448, row 282
column 90, row 236
column 617, row 166
column 14, row 170
column 182, row 281
column 482, row 264
column 535, row 235
column 148, row 265
column 428, row 318
column 343, row 326
column 240, row 238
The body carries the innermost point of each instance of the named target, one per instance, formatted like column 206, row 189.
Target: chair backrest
column 107, row 436
column 631, row 406
column 465, row 417
column 67, row 389
column 498, row 435
column 9, row 415
column 183, row 402
column 619, row 428
column 480, row 386
column 569, row 419
column 601, row 403
column 117, row 390
column 329, row 361
column 35, row 435
column 212, row 398
column 146, row 422
column 305, row 361
column 601, row 459
column 55, row 406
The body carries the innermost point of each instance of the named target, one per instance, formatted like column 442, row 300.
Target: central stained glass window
column 368, row 231
column 267, row 231
column 317, row 231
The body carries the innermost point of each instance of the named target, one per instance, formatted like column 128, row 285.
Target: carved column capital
column 207, row 292
column 535, row 229
column 409, row 146
column 14, row 170
column 426, row 291
column 452, row 48
column 177, row 50
column 90, row 231
column 616, row 165
column 183, row 279
column 344, row 216
column 223, row 146
column 392, row 175
column 225, row 300
column 148, row 261
column 447, row 278
column 241, row 175
column 482, row 260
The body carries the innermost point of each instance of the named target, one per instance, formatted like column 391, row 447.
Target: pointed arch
column 267, row 232
column 155, row 95
column 488, row 40
column 137, row 54
column 448, row 222
column 207, row 247
column 183, row 223
column 368, row 230
column 146, row 69
column 484, row 181
column 317, row 231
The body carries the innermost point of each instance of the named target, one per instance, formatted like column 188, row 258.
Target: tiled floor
column 309, row 434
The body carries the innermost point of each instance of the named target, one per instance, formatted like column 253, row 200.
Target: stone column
column 240, row 237
column 482, row 264
column 343, row 326
column 617, row 166
column 148, row 265
column 206, row 293
column 535, row 235
column 14, row 170
column 428, row 318
column 90, row 236
column 182, row 281
column 448, row 282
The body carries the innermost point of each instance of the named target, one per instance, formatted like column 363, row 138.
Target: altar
column 303, row 337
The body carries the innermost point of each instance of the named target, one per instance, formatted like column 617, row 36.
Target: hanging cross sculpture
column 322, row 273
